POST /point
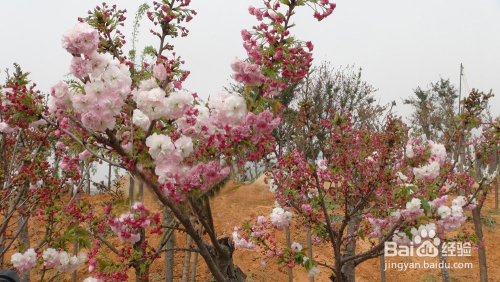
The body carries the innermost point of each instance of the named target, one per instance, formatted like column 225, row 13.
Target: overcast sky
column 399, row 44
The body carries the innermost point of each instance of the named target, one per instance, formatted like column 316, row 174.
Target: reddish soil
column 237, row 203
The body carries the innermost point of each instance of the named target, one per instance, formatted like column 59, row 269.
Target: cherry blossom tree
column 376, row 186
column 33, row 185
column 139, row 118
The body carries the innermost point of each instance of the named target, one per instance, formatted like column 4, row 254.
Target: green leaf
column 425, row 205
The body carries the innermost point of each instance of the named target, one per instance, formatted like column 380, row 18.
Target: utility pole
column 460, row 89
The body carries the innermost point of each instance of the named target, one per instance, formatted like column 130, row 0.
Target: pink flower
column 82, row 39
column 246, row 35
column 280, row 218
column 60, row 145
column 307, row 208
column 247, row 73
column 79, row 67
column 272, row 14
column 51, row 258
column 409, row 149
column 5, row 128
column 160, row 72
column 24, row 262
column 59, row 97
column 438, row 152
column 261, row 220
column 438, row 202
column 427, row 172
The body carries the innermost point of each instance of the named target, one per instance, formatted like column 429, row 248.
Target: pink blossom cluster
column 62, row 261
column 201, row 176
column 331, row 6
column 280, row 218
column 413, row 210
column 82, row 39
column 427, row 172
column 85, row 155
column 24, row 262
column 401, row 239
column 155, row 104
column 128, row 224
column 452, row 217
column 70, row 164
column 196, row 122
column 438, row 202
column 262, row 124
column 242, row 242
column 168, row 154
column 438, row 157
column 107, row 82
column 5, row 128
column 227, row 109
column 378, row 224
column 247, row 73
column 410, row 148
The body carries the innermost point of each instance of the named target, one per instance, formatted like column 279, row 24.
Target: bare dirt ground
column 237, row 203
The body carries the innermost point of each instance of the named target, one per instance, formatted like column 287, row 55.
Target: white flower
column 414, row 205
column 160, row 146
column 272, row 187
column 140, row 119
column 152, row 102
column 401, row 177
column 177, row 104
column 321, row 164
column 296, row 247
column 456, row 210
column 313, row 271
column 280, row 218
column 428, row 172
column 98, row 62
column 459, row 201
column 228, row 109
column 240, row 242
column 50, row 257
column 444, row 211
column 396, row 215
column 185, row 146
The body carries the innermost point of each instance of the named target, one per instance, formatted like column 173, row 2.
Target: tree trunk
column 220, row 264
column 187, row 260
column 24, row 236
column 496, row 196
column 141, row 275
column 289, row 245
column 195, row 258
column 309, row 249
column 478, row 229
column 230, row 271
column 169, row 255
column 382, row 265
column 24, row 239
column 141, row 192
column 87, row 175
column 131, row 187
column 348, row 269
column 109, row 176
column 445, row 275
